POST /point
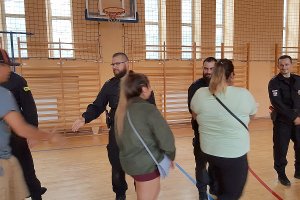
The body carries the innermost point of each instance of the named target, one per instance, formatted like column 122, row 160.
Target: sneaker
column 121, row 197
column 283, row 179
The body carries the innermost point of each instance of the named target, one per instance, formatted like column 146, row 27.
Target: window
column 190, row 27
column 14, row 21
column 186, row 29
column 290, row 28
column 219, row 27
column 60, row 28
column 154, row 28
column 284, row 25
column 224, row 27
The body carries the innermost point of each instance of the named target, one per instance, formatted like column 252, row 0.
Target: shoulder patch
column 26, row 89
column 275, row 93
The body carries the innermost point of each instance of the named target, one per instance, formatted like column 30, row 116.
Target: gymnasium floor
column 80, row 169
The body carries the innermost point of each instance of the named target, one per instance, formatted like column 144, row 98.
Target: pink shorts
column 146, row 177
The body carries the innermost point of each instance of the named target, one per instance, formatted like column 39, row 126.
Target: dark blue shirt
column 108, row 95
column 284, row 95
column 202, row 82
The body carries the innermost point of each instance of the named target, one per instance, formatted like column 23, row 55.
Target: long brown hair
column 220, row 76
column 131, row 86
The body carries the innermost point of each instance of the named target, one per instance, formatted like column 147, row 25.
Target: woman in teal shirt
column 149, row 123
column 223, row 138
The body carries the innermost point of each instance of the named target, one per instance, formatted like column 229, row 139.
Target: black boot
column 121, row 197
column 39, row 196
column 283, row 179
column 297, row 174
column 203, row 196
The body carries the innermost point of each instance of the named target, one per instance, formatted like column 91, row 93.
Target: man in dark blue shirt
column 109, row 95
column 284, row 94
column 204, row 177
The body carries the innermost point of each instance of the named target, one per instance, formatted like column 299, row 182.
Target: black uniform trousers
column 204, row 176
column 282, row 134
column 22, row 152
column 117, row 174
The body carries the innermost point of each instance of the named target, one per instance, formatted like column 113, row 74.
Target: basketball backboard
column 111, row 10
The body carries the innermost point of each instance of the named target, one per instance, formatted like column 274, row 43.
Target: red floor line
column 265, row 185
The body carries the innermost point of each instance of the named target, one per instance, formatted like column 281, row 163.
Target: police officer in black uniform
column 19, row 88
column 109, row 94
column 204, row 177
column 284, row 93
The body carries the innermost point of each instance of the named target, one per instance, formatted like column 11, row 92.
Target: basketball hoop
column 113, row 13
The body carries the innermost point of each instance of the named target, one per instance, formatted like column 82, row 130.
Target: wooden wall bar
column 170, row 78
column 64, row 89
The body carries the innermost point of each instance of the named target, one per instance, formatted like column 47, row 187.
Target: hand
column 56, row 137
column 32, row 142
column 172, row 164
column 297, row 121
column 78, row 124
column 46, row 136
column 194, row 116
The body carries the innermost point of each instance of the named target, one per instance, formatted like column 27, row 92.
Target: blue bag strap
column 148, row 150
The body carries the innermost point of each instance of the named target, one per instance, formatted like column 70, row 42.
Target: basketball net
column 114, row 13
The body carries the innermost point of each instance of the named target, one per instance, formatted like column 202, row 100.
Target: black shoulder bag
column 233, row 115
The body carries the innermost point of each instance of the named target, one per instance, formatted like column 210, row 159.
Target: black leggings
column 231, row 174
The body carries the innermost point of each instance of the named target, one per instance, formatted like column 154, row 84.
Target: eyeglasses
column 117, row 63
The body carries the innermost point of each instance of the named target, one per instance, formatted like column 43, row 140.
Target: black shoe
column 38, row 196
column 43, row 190
column 297, row 175
column 283, row 179
column 121, row 197
column 213, row 191
column 203, row 196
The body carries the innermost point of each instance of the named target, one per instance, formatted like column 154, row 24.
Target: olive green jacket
column 154, row 130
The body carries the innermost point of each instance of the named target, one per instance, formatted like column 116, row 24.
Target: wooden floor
column 80, row 170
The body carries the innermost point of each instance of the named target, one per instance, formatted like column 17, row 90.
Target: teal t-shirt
column 220, row 133
column 7, row 104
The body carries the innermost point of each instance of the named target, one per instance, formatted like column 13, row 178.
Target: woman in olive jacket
column 153, row 129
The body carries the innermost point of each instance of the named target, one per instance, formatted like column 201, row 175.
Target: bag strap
column 140, row 138
column 230, row 111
